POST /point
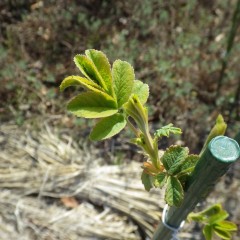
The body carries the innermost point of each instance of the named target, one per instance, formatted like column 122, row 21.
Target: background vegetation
column 176, row 47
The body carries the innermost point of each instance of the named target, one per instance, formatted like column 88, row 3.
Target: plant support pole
column 214, row 162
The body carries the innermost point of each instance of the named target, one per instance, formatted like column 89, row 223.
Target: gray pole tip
column 224, row 149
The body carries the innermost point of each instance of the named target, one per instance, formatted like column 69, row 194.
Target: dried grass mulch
column 53, row 188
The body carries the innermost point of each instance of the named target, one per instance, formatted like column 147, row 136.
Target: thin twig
column 230, row 43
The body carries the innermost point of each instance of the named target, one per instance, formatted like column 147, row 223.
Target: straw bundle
column 53, row 188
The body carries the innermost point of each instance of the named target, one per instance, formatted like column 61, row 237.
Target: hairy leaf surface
column 173, row 157
column 108, row 127
column 141, row 90
column 188, row 164
column 79, row 81
column 103, row 67
column 123, row 77
column 88, row 69
column 174, row 192
column 160, row 180
column 166, row 130
column 92, row 105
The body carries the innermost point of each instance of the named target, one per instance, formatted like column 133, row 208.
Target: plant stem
column 153, row 153
column 214, row 162
column 235, row 104
column 132, row 128
column 135, row 109
column 230, row 43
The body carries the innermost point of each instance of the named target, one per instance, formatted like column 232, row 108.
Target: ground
column 177, row 48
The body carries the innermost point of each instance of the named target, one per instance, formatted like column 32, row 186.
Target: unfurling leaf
column 213, row 219
column 88, row 69
column 211, row 215
column 141, row 90
column 227, row 226
column 108, row 127
column 134, row 108
column 166, row 130
column 102, row 65
column 92, row 105
column 80, row 81
column 140, row 142
column 174, row 192
column 208, row 232
column 224, row 229
column 222, row 233
column 218, row 217
column 146, row 180
column 123, row 77
column 218, row 129
column 196, row 217
column 173, row 157
column 211, row 211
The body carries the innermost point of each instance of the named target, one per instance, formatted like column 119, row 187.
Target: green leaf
column 108, row 127
column 222, row 233
column 218, row 129
column 79, row 81
column 134, row 108
column 160, row 180
column 92, row 105
column 188, row 164
column 212, row 210
column 140, row 142
column 213, row 218
column 226, row 225
column 146, row 180
column 208, row 232
column 173, row 157
column 137, row 141
column 123, row 77
column 141, row 90
column 195, row 217
column 103, row 67
column 88, row 69
column 218, row 217
column 166, row 130
column 174, row 192
column 212, row 214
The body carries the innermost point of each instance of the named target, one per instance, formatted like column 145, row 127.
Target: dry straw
column 40, row 169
